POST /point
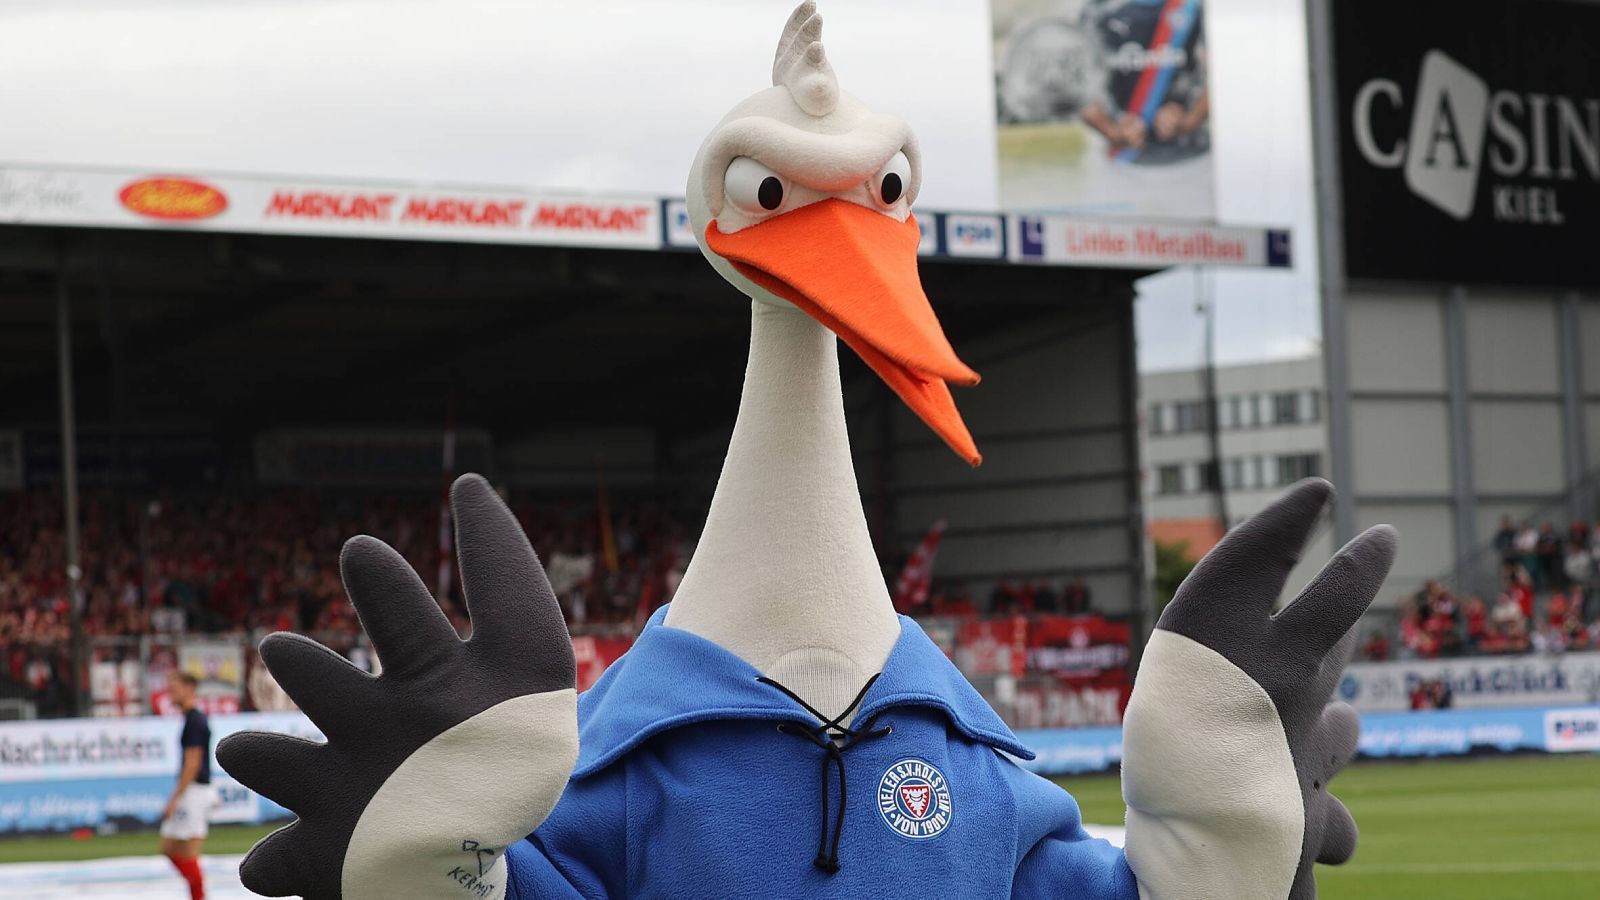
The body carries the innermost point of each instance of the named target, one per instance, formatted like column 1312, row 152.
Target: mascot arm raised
column 431, row 769
column 1229, row 739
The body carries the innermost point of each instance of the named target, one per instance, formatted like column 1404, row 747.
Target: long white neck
column 785, row 575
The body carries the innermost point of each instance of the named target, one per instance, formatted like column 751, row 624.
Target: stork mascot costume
column 777, row 730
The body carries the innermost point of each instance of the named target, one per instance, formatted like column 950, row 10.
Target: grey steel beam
column 1330, row 261
column 1462, row 487
column 1574, row 450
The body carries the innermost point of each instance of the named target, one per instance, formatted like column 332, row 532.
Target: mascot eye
column 752, row 186
column 892, row 181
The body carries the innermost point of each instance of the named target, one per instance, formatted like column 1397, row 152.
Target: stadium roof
column 238, row 302
column 242, row 332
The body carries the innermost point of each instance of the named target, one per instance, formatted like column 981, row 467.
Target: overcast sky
column 612, row 95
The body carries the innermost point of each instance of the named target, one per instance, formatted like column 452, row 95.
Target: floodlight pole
column 69, row 480
column 1212, row 405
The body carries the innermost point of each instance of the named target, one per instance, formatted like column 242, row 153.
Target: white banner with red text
column 259, row 204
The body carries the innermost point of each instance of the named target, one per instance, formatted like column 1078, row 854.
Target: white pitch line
column 1113, row 833
column 117, row 878
column 1468, row 868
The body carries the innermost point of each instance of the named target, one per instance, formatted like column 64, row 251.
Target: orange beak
column 855, row 271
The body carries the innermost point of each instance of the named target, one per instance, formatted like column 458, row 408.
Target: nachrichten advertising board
column 64, row 774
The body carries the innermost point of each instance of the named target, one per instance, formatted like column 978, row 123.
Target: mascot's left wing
column 1229, row 740
column 431, row 769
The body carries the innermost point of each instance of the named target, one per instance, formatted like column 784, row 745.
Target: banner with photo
column 217, row 665
column 1103, row 107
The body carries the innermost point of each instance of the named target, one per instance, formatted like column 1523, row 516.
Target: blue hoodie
column 698, row 778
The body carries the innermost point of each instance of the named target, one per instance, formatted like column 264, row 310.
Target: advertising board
column 252, row 204
column 1476, row 682
column 65, row 774
column 1469, row 140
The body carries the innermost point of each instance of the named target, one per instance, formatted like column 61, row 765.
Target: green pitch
column 1525, row 828
column 224, row 840
column 1479, row 829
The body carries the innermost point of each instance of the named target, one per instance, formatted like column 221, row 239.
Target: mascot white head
column 803, row 196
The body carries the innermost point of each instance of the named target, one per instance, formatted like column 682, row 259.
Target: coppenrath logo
column 1457, row 125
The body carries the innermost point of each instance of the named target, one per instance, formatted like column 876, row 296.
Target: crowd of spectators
column 953, row 599
column 247, row 565
column 243, row 565
column 1548, row 602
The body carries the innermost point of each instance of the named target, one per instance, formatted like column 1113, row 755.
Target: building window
column 1258, row 472
column 1235, row 473
column 1295, row 467
column 1313, row 406
column 1169, row 480
column 1253, row 405
column 1286, row 408
column 1154, row 422
column 1207, row 472
column 1191, row 416
column 1235, row 416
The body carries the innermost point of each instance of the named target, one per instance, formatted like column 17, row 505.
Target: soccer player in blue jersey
column 183, row 824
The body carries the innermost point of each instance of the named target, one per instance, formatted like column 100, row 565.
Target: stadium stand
column 1548, row 602
column 240, row 565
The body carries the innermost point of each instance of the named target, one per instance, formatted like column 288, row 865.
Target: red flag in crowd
column 911, row 590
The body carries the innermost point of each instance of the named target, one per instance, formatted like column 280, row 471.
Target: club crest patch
column 914, row 799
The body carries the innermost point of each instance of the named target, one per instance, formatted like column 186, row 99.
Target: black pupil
column 770, row 194
column 891, row 187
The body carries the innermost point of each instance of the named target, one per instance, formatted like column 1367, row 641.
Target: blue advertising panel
column 1448, row 732
column 116, row 774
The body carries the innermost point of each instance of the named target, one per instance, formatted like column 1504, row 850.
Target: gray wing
column 1297, row 655
column 431, row 681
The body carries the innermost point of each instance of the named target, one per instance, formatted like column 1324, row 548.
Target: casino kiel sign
column 1469, row 144
column 1456, row 122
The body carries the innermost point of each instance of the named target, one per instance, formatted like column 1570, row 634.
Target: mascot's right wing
column 1229, row 740
column 432, row 768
